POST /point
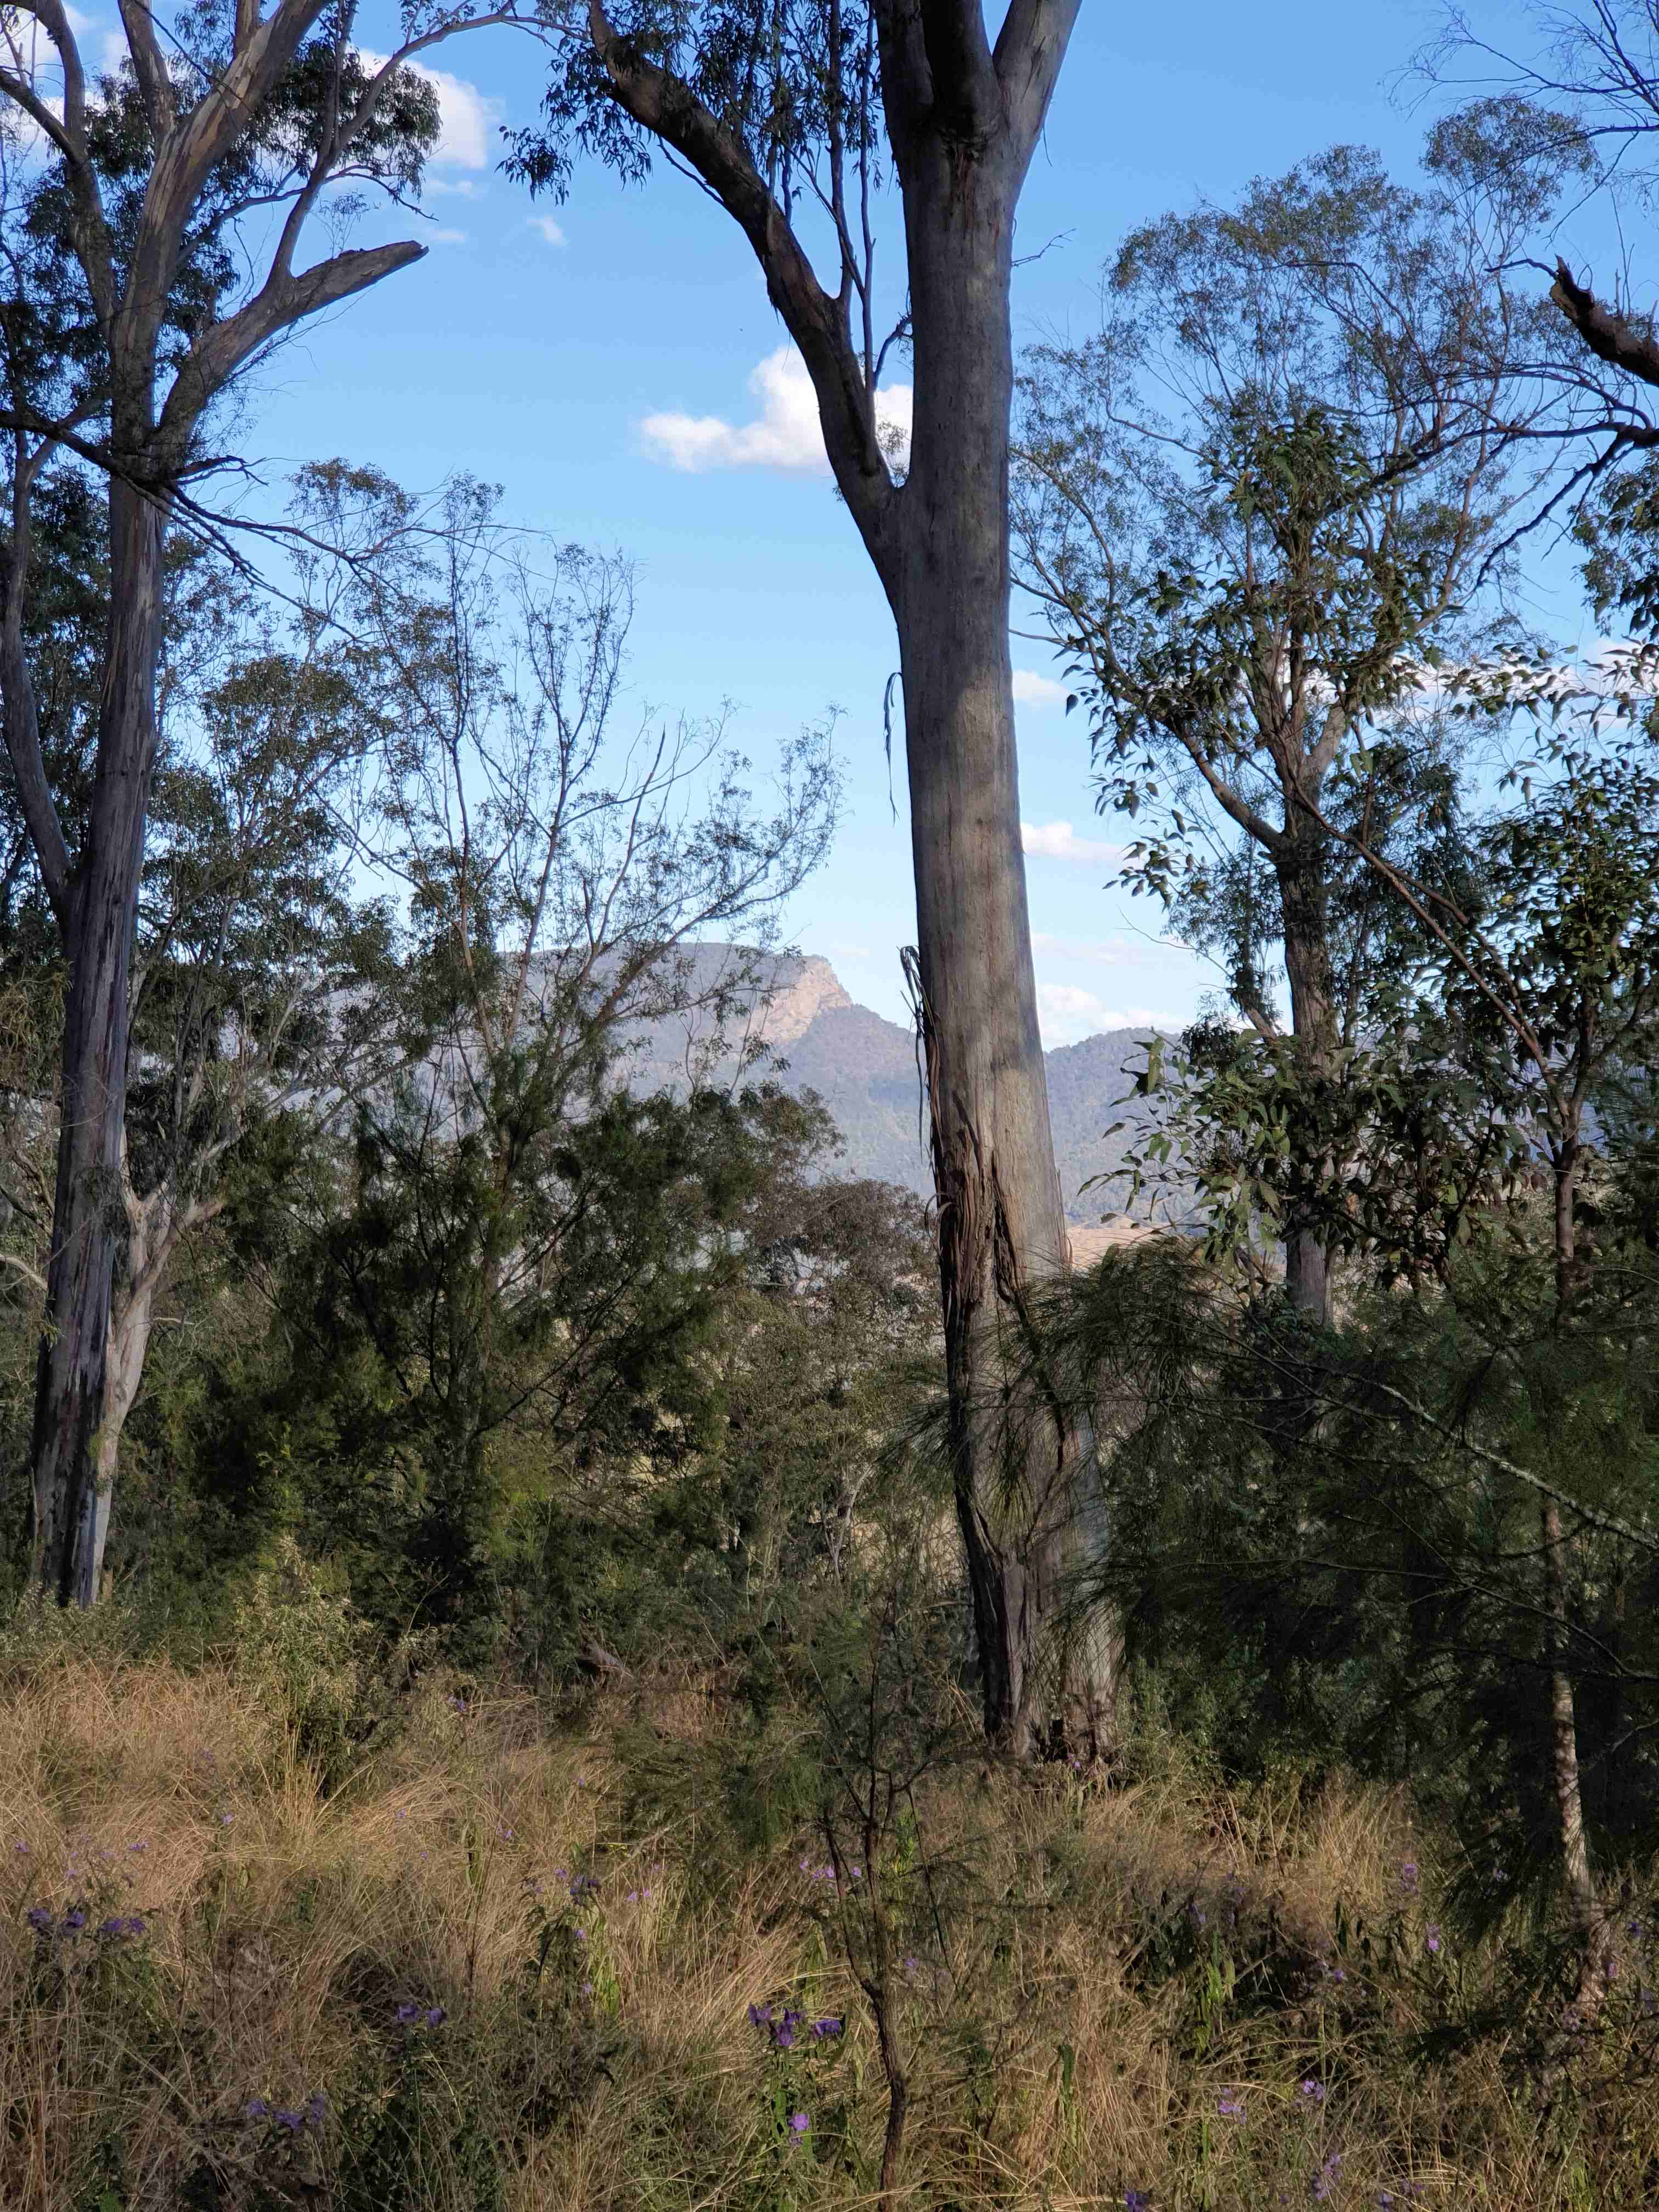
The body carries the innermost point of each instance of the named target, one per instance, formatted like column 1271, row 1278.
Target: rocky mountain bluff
column 864, row 1068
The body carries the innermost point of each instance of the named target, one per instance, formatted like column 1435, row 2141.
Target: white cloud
column 1031, row 689
column 453, row 188
column 468, row 119
column 447, row 237
column 1057, row 841
column 784, row 434
column 549, row 230
column 1068, row 1015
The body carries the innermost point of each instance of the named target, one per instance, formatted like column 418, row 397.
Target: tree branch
column 666, row 105
column 283, row 301
column 1617, row 339
column 967, row 97
column 1029, row 49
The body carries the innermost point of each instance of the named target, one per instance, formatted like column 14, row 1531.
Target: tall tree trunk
column 1305, row 900
column 1577, row 1872
column 86, row 1209
column 1028, row 1496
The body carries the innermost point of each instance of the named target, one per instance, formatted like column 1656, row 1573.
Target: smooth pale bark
column 88, row 1213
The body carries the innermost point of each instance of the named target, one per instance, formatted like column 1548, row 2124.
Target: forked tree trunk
column 88, row 1212
column 1028, row 1497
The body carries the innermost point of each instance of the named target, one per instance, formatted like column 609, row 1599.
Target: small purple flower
column 1432, row 1939
column 1230, row 2107
column 225, row 1820
column 784, row 2037
column 799, row 2123
column 38, row 1919
column 1408, row 1876
column 20, row 1845
column 1313, row 2091
column 581, row 1935
column 74, row 1921
column 316, row 2109
column 1137, row 2200
column 587, row 1989
column 141, row 1846
column 292, row 2121
column 824, row 2029
column 436, row 2016
column 256, row 2109
column 408, row 2015
column 760, row 2015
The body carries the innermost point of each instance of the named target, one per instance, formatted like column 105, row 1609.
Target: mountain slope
column 864, row 1068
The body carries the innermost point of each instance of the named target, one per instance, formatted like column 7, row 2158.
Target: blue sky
column 563, row 351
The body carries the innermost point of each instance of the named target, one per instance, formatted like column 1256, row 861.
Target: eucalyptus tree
column 1255, row 509
column 792, row 119
column 154, row 225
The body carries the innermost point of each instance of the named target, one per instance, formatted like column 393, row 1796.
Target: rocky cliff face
column 863, row 1069
column 803, row 989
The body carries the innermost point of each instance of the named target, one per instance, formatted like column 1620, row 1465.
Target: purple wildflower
column 74, row 1921
column 1137, row 2200
column 38, row 1919
column 1314, row 2092
column 1328, row 2176
column 436, row 2016
column 292, row 2121
column 256, row 2109
column 760, row 2015
column 822, row 2028
column 316, row 2109
column 408, row 2015
column 799, row 2123
column 1408, row 1876
column 1432, row 1939
column 20, row 1845
column 1230, row 2107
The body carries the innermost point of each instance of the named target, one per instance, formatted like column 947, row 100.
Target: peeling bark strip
column 1024, row 1474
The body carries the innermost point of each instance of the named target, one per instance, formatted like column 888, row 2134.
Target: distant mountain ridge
column 864, row 1068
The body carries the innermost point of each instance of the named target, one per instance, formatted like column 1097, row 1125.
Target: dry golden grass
column 1063, row 2007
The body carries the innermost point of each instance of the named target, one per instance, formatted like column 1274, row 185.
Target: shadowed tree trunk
column 961, row 116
